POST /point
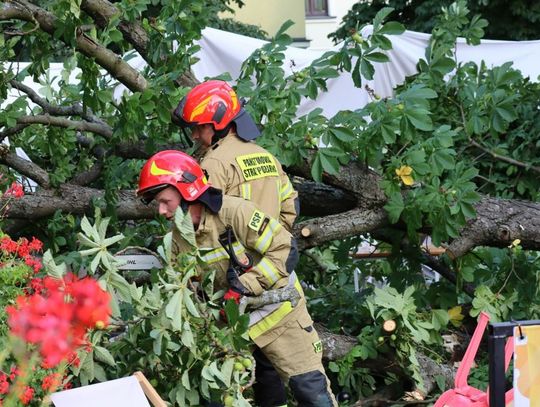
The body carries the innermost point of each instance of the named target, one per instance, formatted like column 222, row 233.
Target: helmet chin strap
column 219, row 134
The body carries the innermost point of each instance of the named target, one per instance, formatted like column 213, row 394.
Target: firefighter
column 232, row 161
column 234, row 232
column 224, row 132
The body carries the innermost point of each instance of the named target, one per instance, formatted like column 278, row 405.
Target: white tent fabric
column 224, row 52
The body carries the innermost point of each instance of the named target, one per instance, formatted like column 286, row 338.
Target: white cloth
column 114, row 393
column 224, row 52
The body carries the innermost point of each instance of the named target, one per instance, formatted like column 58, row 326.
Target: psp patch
column 255, row 166
column 256, row 221
column 317, row 346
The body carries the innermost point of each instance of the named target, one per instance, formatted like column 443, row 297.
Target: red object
column 463, row 395
column 176, row 169
column 58, row 317
column 212, row 102
column 231, row 294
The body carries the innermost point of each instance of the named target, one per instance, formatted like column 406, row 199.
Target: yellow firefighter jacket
column 269, row 245
column 244, row 169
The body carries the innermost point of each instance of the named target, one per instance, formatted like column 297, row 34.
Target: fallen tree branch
column 75, row 110
column 12, row 130
column 498, row 223
column 113, row 63
column 504, row 158
column 314, row 232
column 48, row 120
column 26, row 168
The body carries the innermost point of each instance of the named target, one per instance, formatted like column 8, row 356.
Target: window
column 315, row 8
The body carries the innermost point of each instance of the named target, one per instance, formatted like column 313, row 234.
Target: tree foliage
column 508, row 20
column 453, row 154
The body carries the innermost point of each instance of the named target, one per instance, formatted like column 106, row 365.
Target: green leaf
column 187, row 335
column 185, row 380
column 329, row 163
column 216, row 372
column 388, row 132
column 439, row 318
column 157, row 334
column 394, row 207
column 121, row 285
column 343, row 134
column 184, row 224
column 284, row 27
column 53, row 269
column 316, row 168
column 443, row 65
column 468, row 210
column 227, row 370
column 419, row 118
column 95, row 262
column 173, row 310
column 103, row 355
column 115, row 35
column 188, row 302
column 112, row 240
column 89, row 230
column 444, row 159
column 392, row 28
column 102, row 227
column 367, row 69
column 380, row 16
column 231, row 310
column 376, row 57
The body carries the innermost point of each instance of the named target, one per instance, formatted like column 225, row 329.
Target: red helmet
column 215, row 102
column 173, row 168
column 212, row 102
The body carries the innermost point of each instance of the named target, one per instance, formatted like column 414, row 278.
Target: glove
column 232, row 295
column 235, row 292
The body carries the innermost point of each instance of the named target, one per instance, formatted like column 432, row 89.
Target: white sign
column 114, row 393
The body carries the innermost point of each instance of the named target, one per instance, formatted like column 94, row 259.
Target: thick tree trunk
column 498, row 221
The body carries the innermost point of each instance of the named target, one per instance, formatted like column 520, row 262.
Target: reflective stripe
column 279, row 200
column 286, row 190
column 264, row 241
column 215, row 255
column 268, row 270
column 265, row 318
column 270, row 321
column 246, row 191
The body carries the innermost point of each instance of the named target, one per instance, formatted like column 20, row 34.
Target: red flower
column 15, row 190
column 14, row 372
column 4, row 385
column 7, row 245
column 35, row 245
column 51, row 382
column 58, row 318
column 27, row 395
column 33, row 262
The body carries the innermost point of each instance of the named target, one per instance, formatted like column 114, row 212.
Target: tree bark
column 498, row 221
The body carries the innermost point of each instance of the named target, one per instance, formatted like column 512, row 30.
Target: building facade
column 313, row 19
